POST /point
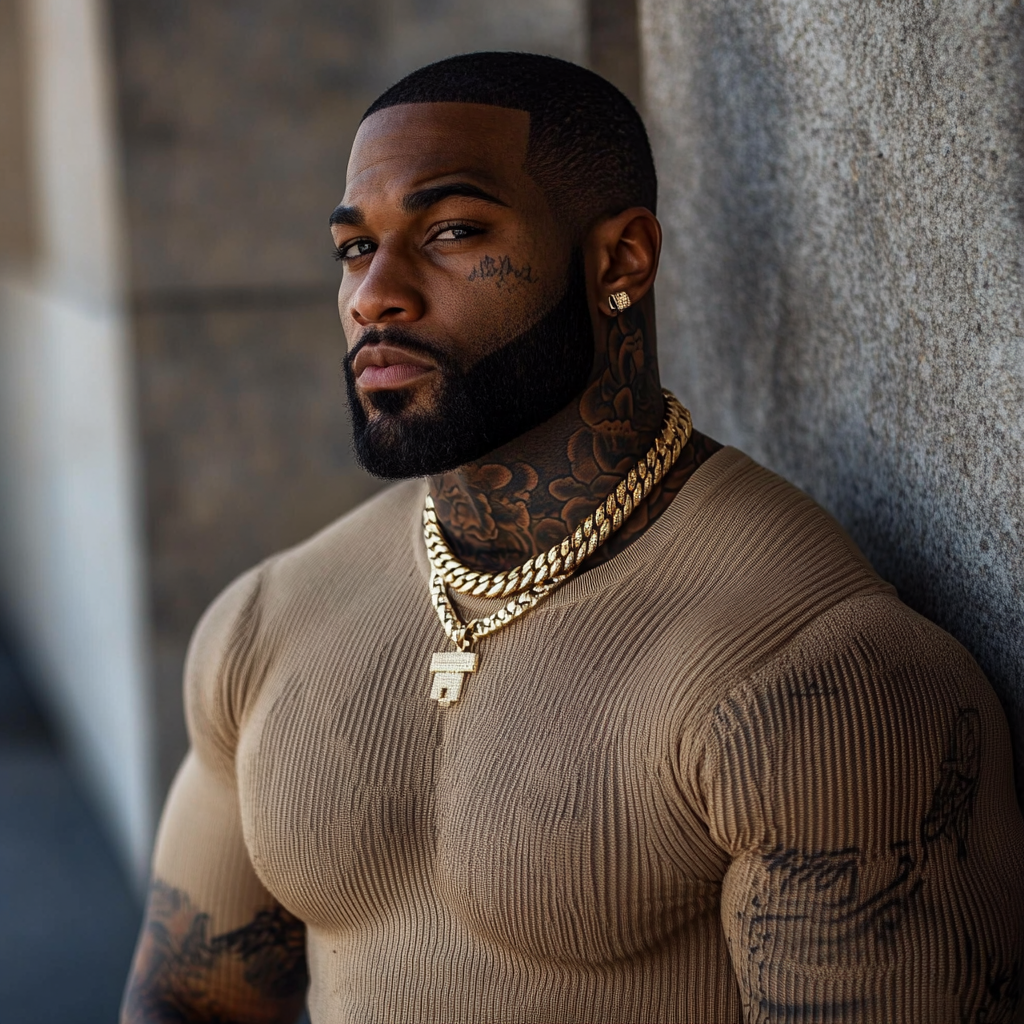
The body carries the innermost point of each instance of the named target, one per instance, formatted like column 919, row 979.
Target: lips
column 397, row 375
column 384, row 367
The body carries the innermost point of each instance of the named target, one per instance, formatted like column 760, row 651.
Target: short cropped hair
column 588, row 149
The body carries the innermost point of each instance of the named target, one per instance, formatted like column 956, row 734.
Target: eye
column 354, row 249
column 455, row 232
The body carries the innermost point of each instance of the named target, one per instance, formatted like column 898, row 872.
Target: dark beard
column 506, row 393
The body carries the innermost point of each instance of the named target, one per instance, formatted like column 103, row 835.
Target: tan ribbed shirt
column 725, row 776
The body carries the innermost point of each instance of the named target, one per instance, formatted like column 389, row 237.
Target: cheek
column 349, row 326
column 505, row 274
column 499, row 297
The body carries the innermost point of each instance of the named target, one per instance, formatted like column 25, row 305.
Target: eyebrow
column 424, row 198
column 351, row 216
column 418, row 201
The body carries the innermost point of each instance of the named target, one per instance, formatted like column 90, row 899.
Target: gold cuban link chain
column 532, row 581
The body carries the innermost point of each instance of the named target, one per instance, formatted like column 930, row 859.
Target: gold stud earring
column 619, row 302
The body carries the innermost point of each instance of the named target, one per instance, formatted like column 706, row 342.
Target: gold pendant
column 449, row 668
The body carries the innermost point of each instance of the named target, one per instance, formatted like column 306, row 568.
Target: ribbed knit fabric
column 725, row 776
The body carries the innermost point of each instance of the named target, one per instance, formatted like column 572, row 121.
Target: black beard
column 506, row 393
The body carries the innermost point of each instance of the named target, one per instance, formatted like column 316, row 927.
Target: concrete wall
column 842, row 290
column 69, row 539
column 613, row 45
column 17, row 229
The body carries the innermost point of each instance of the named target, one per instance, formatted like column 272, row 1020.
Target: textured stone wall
column 236, row 122
column 842, row 291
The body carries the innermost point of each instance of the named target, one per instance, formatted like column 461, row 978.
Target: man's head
column 493, row 201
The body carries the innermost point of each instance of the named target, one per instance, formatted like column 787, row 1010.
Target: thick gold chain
column 532, row 581
column 592, row 532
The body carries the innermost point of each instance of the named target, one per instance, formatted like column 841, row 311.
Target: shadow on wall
column 844, row 275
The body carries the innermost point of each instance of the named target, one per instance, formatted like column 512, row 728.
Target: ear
column 622, row 253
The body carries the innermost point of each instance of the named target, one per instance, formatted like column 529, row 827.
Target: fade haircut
column 588, row 149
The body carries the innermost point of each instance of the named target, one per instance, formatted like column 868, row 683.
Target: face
column 462, row 299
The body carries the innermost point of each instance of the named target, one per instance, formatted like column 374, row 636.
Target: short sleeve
column 200, row 849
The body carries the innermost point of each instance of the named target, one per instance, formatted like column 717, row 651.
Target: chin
column 398, row 401
column 388, row 403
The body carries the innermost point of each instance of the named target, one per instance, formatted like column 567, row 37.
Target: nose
column 388, row 292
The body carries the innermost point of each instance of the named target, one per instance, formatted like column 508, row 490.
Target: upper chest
column 542, row 809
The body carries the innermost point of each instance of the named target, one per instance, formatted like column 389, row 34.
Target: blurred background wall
column 71, row 555
column 840, row 295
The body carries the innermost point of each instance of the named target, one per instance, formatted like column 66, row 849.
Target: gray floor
column 67, row 918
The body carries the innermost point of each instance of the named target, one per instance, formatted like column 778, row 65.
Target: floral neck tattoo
column 526, row 496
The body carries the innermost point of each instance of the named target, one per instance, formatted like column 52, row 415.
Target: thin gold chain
column 532, row 581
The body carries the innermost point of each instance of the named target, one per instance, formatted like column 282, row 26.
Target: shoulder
column 846, row 735
column 756, row 562
column 354, row 563
column 235, row 640
column 835, row 704
column 868, row 658
column 767, row 523
column 215, row 669
column 369, row 535
column 839, row 626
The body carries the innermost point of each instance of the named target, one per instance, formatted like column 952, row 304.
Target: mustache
column 392, row 334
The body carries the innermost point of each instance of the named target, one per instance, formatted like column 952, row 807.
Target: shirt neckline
column 663, row 531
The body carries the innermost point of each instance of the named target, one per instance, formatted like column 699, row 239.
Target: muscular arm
column 215, row 946
column 863, row 786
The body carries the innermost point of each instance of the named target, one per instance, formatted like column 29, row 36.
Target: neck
column 520, row 499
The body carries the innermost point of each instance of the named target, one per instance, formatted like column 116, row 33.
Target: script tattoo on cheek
column 503, row 272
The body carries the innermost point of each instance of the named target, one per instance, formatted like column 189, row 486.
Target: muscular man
column 694, row 762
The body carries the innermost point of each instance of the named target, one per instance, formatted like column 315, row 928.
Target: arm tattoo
column 820, row 906
column 255, row 974
column 497, row 513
